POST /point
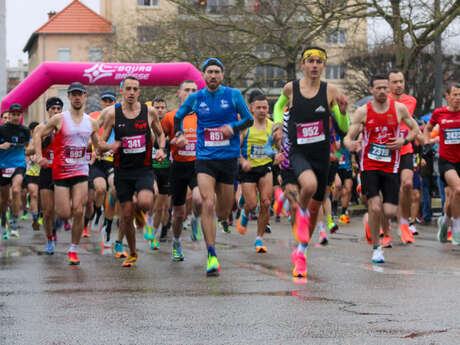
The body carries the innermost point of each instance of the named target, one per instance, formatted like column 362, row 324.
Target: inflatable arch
column 50, row 73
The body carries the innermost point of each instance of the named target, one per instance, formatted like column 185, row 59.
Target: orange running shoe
column 85, row 232
column 344, row 219
column 130, row 261
column 301, row 228
column 406, row 234
column 300, row 268
column 241, row 229
column 278, row 204
column 367, row 229
column 386, row 242
column 73, row 258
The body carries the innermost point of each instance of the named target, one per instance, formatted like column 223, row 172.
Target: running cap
column 314, row 51
column 76, row 86
column 54, row 101
column 109, row 94
column 15, row 107
column 212, row 62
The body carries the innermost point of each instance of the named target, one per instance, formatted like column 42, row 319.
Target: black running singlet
column 308, row 125
column 134, row 134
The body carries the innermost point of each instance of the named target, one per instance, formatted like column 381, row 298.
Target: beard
column 77, row 107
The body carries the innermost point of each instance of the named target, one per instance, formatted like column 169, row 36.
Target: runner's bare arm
column 109, row 122
column 37, row 140
column 155, row 124
column 357, row 120
column 97, row 143
column 54, row 124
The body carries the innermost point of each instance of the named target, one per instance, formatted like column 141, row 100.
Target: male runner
column 380, row 157
column 14, row 137
column 4, row 117
column 256, row 176
column 448, row 118
column 311, row 102
column 218, row 148
column 132, row 122
column 46, row 186
column 183, row 173
column 32, row 180
column 73, row 130
column 397, row 86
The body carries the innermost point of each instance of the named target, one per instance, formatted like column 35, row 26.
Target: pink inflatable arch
column 50, row 73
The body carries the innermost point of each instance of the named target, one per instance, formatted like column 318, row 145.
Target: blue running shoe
column 148, row 233
column 177, row 254
column 260, row 248
column 49, row 249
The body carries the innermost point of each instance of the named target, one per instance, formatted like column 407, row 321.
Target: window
column 335, row 71
column 336, row 37
column 146, row 33
column 64, row 54
column 95, row 54
column 147, row 3
column 217, row 6
column 270, row 76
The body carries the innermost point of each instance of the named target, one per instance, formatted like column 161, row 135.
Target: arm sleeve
column 242, row 109
column 278, row 109
column 343, row 121
column 185, row 108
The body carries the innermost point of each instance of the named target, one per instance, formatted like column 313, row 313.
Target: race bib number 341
column 134, row 144
column 309, row 133
column 379, row 152
column 214, row 137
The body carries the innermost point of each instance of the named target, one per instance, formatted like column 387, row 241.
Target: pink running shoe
column 67, row 226
column 300, row 268
column 301, row 228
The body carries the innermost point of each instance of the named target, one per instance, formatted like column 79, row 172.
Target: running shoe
column 25, row 216
column 130, row 261
column 442, row 230
column 67, row 226
column 85, row 232
column 323, row 238
column 73, row 258
column 386, row 242
column 377, row 256
column 49, row 249
column 268, row 229
column 300, row 264
column 224, row 226
column 241, row 229
column 5, row 235
column 36, row 225
column 155, row 244
column 195, row 235
column 449, row 234
column 139, row 218
column 301, row 228
column 186, row 223
column 148, row 233
column 344, row 218
column 212, row 266
column 456, row 238
column 118, row 250
column 177, row 254
column 413, row 229
column 260, row 248
column 278, row 204
column 40, row 220
column 14, row 233
column 367, row 229
column 406, row 234
column 332, row 227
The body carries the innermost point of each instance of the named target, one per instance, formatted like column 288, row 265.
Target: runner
column 132, row 122
column 256, row 176
column 183, row 175
column 46, row 186
column 380, row 155
column 218, row 148
column 311, row 102
column 32, row 181
column 448, row 119
column 345, row 172
column 72, row 129
column 397, row 86
column 14, row 137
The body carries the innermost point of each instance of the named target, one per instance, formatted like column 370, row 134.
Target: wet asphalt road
column 412, row 299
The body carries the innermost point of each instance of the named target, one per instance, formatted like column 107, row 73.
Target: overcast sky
column 23, row 17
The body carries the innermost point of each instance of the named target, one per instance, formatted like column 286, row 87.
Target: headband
column 314, row 52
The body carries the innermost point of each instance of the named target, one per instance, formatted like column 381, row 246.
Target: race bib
column 257, row 152
column 311, row 132
column 452, row 136
column 7, row 173
column 379, row 152
column 49, row 155
column 134, row 144
column 189, row 149
column 74, row 154
column 214, row 137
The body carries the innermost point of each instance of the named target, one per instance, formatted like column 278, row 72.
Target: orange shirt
column 187, row 153
column 410, row 103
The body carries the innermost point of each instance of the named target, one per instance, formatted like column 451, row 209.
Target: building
column 16, row 74
column 77, row 34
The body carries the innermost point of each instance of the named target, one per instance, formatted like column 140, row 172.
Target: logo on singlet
column 320, row 109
